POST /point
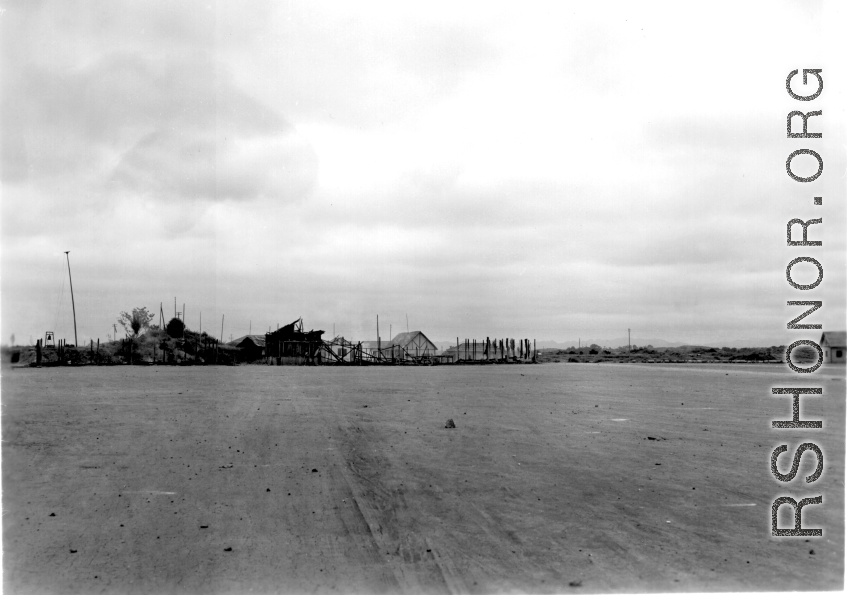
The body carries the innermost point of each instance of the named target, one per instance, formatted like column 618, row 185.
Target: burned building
column 291, row 345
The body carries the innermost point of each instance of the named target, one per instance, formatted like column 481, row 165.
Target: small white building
column 833, row 345
column 339, row 349
column 372, row 347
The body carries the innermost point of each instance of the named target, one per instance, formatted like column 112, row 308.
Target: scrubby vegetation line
column 685, row 354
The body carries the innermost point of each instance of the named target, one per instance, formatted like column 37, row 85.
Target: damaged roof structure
column 293, row 343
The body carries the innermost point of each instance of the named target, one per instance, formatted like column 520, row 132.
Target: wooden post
column 38, row 352
column 73, row 305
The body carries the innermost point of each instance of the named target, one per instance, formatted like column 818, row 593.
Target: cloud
column 169, row 127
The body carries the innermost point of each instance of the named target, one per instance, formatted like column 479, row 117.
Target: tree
column 175, row 328
column 137, row 321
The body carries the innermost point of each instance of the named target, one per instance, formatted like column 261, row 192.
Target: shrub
column 136, row 322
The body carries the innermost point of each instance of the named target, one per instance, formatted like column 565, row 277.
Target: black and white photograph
column 476, row 298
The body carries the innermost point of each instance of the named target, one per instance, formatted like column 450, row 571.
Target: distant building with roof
column 253, row 346
column 412, row 344
column 406, row 345
column 834, row 345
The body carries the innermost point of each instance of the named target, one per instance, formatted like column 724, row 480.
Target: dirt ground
column 284, row 479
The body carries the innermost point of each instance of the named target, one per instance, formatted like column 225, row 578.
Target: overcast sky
column 546, row 171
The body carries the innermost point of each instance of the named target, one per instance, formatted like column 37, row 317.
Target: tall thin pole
column 174, row 306
column 222, row 328
column 76, row 342
column 629, row 338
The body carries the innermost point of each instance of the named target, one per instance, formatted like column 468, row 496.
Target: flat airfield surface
column 284, row 479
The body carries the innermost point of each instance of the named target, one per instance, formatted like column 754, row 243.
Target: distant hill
column 622, row 342
column 640, row 342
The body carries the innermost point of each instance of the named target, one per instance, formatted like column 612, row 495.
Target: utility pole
column 222, row 328
column 115, row 336
column 629, row 338
column 175, row 316
column 72, row 293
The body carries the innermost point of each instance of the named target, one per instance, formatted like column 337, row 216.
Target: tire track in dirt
column 416, row 563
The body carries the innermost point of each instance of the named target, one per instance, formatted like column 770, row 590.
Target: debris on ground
column 575, row 584
column 227, row 549
column 450, row 424
column 655, row 438
column 314, row 470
